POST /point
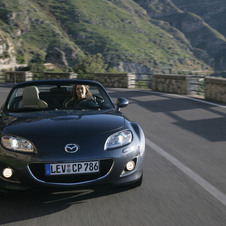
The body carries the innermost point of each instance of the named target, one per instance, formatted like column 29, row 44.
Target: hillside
column 136, row 36
column 203, row 24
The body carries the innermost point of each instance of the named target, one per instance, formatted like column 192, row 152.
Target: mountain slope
column 124, row 35
column 213, row 12
column 199, row 21
column 138, row 36
column 33, row 31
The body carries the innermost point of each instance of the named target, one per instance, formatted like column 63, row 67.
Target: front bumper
column 29, row 173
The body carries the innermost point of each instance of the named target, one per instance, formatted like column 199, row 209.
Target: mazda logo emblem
column 71, row 148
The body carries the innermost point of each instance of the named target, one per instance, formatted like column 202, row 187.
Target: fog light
column 7, row 172
column 130, row 165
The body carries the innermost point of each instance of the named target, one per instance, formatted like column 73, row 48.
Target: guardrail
column 141, row 80
column 208, row 87
column 2, row 77
column 196, row 85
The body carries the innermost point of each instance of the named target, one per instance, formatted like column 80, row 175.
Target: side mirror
column 121, row 103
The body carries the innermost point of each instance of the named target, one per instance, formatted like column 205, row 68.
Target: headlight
column 17, row 144
column 118, row 139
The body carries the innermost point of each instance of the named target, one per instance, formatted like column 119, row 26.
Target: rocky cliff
column 203, row 24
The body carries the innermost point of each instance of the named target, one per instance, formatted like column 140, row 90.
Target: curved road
column 184, row 174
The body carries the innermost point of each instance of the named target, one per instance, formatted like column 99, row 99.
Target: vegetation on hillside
column 70, row 33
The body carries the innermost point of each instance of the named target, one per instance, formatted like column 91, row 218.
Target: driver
column 80, row 95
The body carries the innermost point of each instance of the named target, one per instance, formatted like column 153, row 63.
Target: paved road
column 184, row 175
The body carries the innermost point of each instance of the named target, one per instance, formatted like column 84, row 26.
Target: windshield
column 48, row 97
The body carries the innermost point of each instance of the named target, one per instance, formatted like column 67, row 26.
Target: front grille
column 38, row 171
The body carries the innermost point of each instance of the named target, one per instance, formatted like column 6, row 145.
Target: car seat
column 31, row 98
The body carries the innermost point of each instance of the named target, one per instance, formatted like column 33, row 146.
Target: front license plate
column 72, row 168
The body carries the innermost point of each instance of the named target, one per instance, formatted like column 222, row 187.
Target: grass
column 119, row 30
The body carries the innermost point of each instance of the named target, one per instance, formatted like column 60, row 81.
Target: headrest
column 30, row 94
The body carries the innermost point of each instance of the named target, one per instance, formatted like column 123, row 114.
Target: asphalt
column 184, row 173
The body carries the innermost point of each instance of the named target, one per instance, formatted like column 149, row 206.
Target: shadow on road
column 199, row 118
column 27, row 205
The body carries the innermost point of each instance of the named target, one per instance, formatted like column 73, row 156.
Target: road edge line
column 194, row 176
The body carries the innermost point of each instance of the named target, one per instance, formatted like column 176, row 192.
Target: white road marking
column 199, row 180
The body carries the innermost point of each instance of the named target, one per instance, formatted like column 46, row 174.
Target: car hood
column 62, row 125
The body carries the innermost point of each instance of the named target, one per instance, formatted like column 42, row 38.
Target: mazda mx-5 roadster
column 67, row 134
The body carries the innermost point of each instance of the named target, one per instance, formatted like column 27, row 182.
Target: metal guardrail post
column 196, row 85
column 141, row 80
column 2, row 77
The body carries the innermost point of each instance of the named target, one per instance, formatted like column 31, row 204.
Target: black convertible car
column 66, row 134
